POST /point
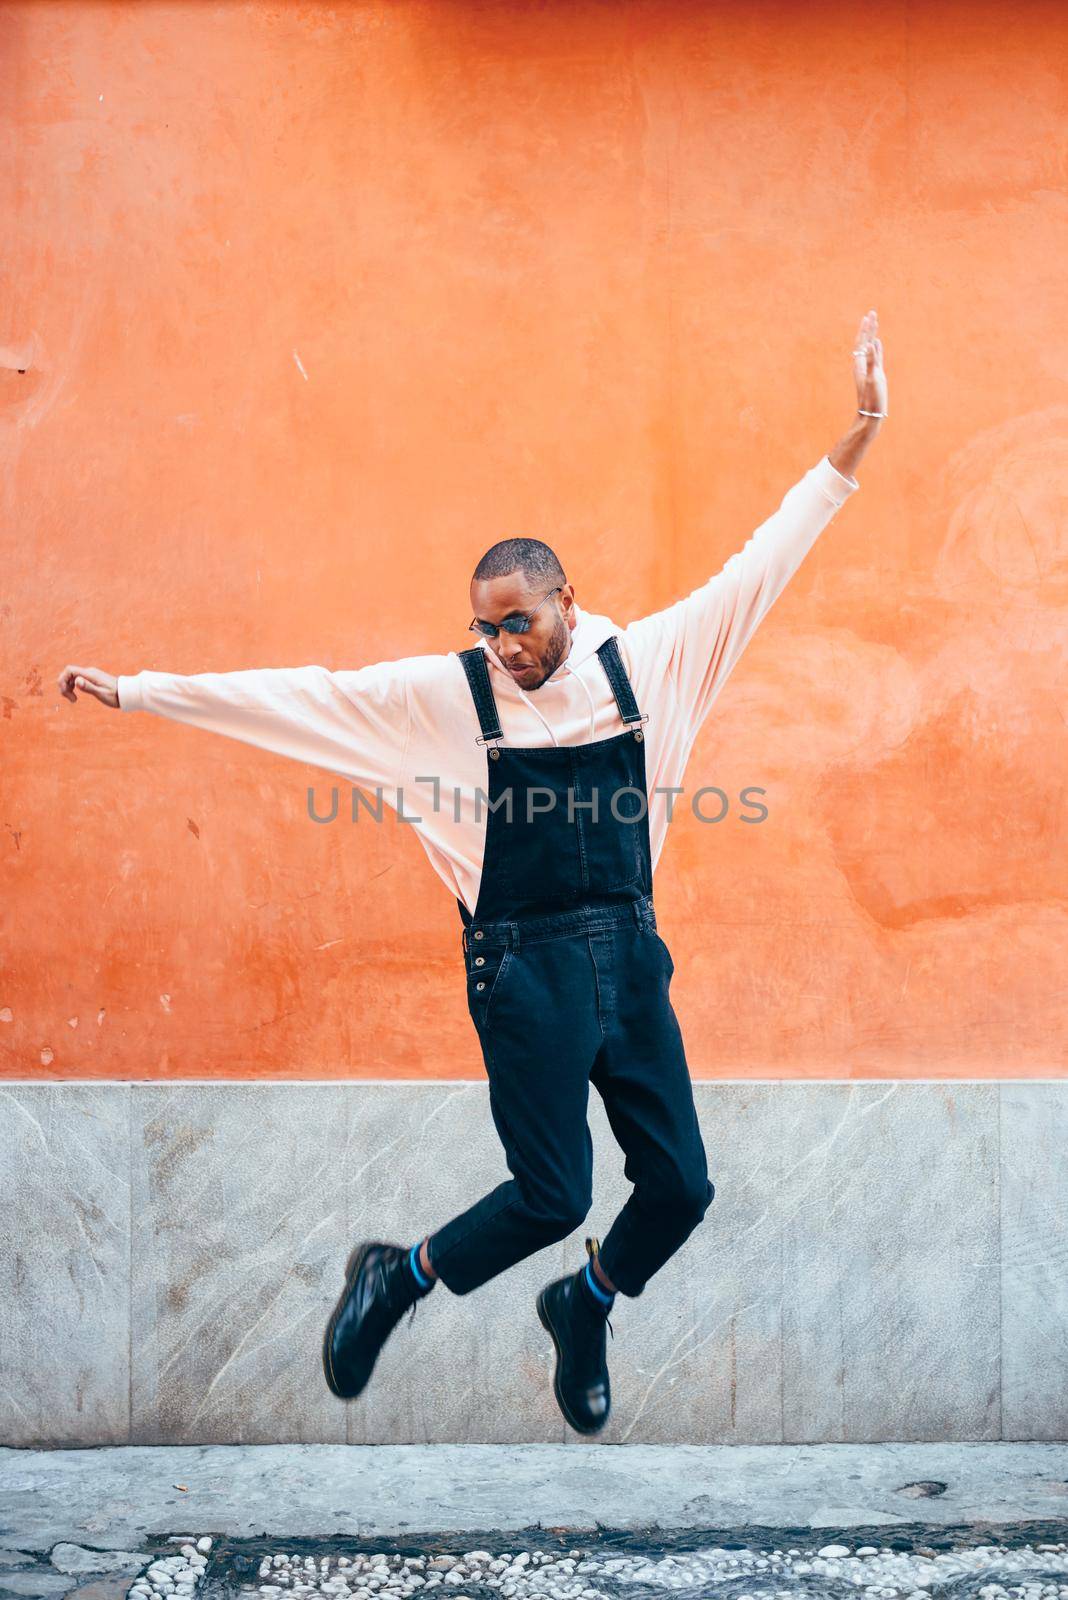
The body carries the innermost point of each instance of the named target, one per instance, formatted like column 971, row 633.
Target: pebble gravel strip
column 173, row 1575
column 989, row 1572
column 1031, row 1571
column 71, row 1570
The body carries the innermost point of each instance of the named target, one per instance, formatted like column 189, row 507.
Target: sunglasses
column 516, row 623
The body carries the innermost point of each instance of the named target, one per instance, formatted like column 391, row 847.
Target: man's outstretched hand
column 101, row 685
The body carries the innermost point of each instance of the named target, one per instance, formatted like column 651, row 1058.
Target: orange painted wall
column 316, row 302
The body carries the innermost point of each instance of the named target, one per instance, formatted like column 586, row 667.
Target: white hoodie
column 396, row 726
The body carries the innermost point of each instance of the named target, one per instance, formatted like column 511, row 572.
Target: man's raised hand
column 101, row 685
column 868, row 369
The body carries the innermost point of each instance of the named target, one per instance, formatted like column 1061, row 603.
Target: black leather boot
column 576, row 1327
column 378, row 1290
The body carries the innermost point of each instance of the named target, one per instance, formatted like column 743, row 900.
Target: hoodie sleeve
column 696, row 642
column 352, row 722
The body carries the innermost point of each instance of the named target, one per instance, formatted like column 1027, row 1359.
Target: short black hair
column 537, row 562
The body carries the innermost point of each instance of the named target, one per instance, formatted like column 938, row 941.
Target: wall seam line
column 1001, row 1279
column 130, row 1265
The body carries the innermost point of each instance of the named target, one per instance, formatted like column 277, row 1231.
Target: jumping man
column 554, row 747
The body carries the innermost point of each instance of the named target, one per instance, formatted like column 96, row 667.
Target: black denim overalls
column 567, row 985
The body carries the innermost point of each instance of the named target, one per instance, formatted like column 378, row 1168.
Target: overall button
column 480, row 985
column 478, row 935
column 480, row 961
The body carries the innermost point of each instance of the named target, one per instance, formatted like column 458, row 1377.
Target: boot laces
column 588, row 1322
column 398, row 1288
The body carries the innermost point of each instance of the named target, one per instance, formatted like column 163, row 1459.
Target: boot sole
column 579, row 1427
column 352, row 1267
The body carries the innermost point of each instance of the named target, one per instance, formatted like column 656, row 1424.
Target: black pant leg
column 539, row 1038
column 642, row 1077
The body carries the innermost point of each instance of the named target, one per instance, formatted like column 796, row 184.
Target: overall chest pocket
column 578, row 825
column 613, row 832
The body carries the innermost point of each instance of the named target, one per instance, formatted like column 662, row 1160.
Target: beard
column 556, row 651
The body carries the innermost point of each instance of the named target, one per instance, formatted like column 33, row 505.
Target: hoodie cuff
column 832, row 483
column 129, row 692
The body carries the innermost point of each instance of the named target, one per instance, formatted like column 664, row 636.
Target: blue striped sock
column 422, row 1283
column 597, row 1289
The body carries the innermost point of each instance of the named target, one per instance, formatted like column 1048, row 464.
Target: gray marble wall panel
column 1034, row 1252
column 64, row 1263
column 875, row 1266
column 888, row 1218
column 239, row 1218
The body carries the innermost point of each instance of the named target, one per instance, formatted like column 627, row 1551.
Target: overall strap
column 473, row 662
column 612, row 662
